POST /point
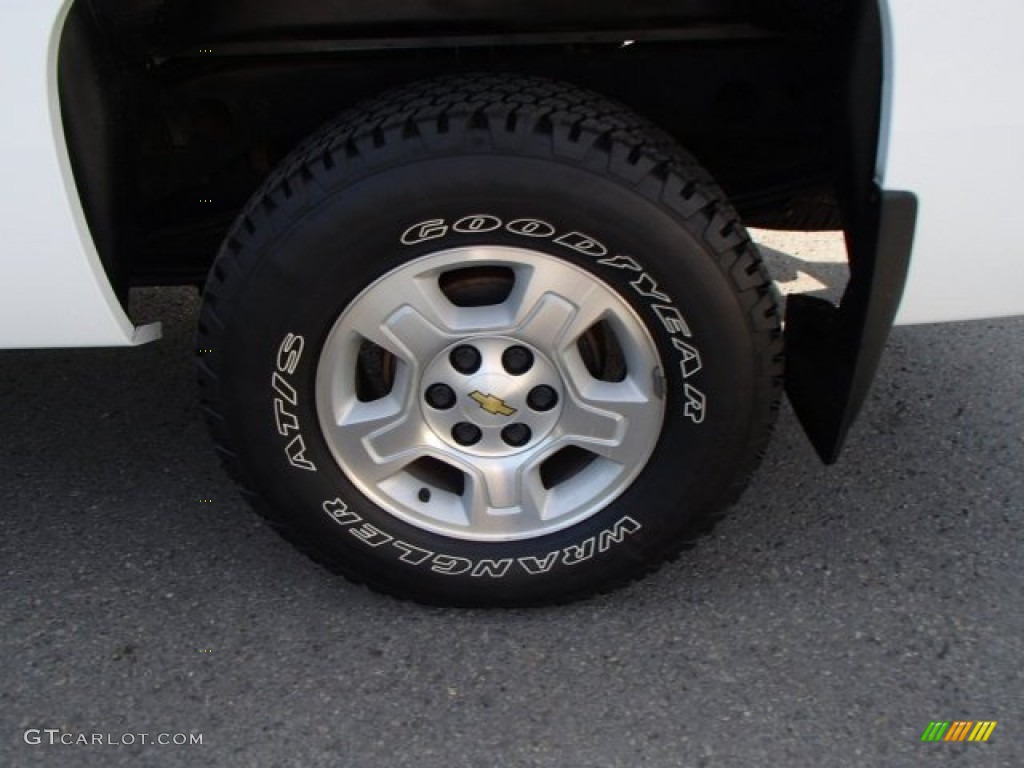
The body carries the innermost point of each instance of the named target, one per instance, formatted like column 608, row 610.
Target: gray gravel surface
column 824, row 623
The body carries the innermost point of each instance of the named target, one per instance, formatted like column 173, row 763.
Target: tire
column 490, row 341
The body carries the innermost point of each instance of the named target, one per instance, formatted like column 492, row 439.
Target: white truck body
column 53, row 291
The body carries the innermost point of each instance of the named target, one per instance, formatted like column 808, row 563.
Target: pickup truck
column 481, row 321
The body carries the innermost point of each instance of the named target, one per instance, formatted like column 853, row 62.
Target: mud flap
column 832, row 353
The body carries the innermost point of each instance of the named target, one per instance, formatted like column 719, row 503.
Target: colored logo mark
column 493, row 405
column 958, row 730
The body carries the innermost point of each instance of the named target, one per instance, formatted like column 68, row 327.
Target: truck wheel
column 490, row 341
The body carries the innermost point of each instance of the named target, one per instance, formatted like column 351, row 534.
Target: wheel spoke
column 494, row 485
column 610, row 419
column 534, row 496
column 414, row 326
column 552, row 314
column 503, row 495
column 382, row 437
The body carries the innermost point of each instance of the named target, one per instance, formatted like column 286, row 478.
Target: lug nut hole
column 440, row 397
column 466, row 434
column 465, row 359
column 542, row 398
column 517, row 360
column 516, row 435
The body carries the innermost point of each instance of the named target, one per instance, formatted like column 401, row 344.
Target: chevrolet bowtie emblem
column 493, row 405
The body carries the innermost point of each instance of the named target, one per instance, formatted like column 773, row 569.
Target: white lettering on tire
column 535, row 566
column 371, row 535
column 531, row 228
column 492, row 568
column 296, row 453
column 622, row 262
column 289, row 355
column 696, row 404
column 617, row 533
column 584, row 244
column 413, row 555
column 690, row 363
column 476, row 224
column 575, row 554
column 452, row 565
column 427, row 230
column 648, row 288
column 672, row 320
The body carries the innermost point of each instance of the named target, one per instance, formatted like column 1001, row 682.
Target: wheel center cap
column 491, row 396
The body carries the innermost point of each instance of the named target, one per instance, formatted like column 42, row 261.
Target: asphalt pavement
column 826, row 622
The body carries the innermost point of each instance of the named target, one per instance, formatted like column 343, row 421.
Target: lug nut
column 440, row 396
column 466, row 434
column 517, row 360
column 542, row 398
column 516, row 435
column 465, row 359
